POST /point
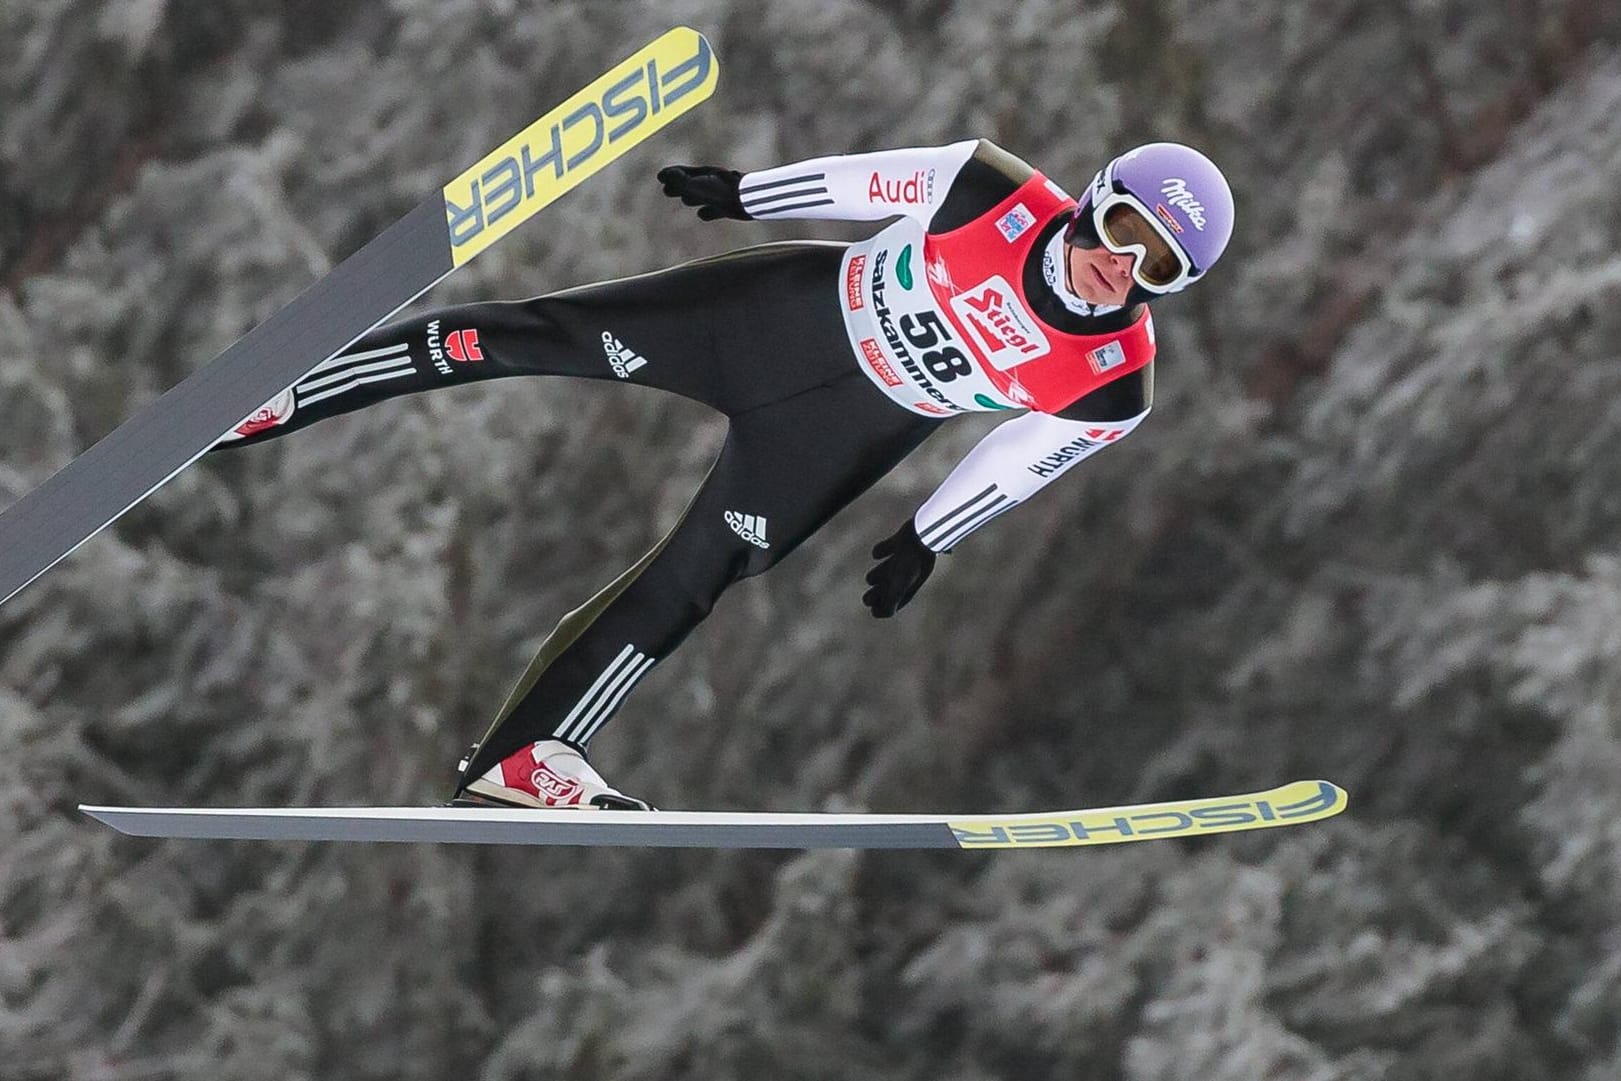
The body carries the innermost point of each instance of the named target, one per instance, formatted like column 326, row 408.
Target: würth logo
column 622, row 360
column 751, row 527
column 462, row 345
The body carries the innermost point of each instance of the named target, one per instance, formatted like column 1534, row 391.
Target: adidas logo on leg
column 623, row 361
column 751, row 527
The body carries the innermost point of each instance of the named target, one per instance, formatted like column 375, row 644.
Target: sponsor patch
column 930, row 407
column 1107, row 356
column 875, row 361
column 1073, row 451
column 1105, row 435
column 911, row 190
column 1167, row 217
column 852, row 283
column 622, row 360
column 1177, row 194
column 1013, row 224
column 1005, row 332
column 751, row 527
column 462, row 345
column 436, row 349
column 273, row 414
column 554, row 786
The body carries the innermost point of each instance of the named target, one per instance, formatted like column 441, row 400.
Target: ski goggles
column 1125, row 226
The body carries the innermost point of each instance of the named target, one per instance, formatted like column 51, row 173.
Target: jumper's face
column 1098, row 275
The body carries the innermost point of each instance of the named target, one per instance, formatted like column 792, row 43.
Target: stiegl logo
column 1006, row 333
column 622, row 360
column 751, row 527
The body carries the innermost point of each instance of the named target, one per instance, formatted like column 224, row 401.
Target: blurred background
column 1368, row 534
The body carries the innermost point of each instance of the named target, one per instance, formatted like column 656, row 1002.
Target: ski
column 619, row 110
column 1289, row 805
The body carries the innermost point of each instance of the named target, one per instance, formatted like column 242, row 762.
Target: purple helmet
column 1184, row 199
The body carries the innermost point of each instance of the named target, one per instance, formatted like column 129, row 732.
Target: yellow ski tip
column 620, row 109
column 1288, row 805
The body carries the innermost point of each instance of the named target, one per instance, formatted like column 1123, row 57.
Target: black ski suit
column 755, row 334
column 759, row 335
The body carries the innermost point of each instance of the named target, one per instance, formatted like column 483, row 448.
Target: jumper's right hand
column 904, row 564
column 713, row 191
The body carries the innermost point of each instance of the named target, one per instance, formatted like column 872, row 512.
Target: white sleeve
column 858, row 187
column 1017, row 459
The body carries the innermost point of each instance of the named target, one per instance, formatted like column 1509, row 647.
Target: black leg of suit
column 757, row 335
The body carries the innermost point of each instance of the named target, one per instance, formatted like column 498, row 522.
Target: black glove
column 713, row 191
column 904, row 564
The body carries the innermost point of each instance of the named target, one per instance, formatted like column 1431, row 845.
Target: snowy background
column 1372, row 533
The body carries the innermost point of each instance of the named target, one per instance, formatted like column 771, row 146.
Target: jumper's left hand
column 712, row 190
column 904, row 564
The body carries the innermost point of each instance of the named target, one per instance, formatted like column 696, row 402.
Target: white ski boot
column 549, row 774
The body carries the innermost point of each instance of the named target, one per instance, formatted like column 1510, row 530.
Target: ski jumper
column 832, row 362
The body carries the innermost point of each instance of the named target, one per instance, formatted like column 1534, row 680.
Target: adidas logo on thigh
column 751, row 527
column 623, row 360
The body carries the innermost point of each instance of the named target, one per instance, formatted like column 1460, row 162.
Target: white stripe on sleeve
column 1015, row 461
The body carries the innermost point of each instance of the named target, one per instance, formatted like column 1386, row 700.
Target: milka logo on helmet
column 1177, row 194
